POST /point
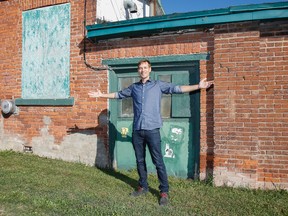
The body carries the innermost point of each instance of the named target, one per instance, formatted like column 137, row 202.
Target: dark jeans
column 153, row 140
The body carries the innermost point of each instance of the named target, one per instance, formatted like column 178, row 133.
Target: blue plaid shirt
column 147, row 102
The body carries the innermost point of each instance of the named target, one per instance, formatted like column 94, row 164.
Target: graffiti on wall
column 173, row 141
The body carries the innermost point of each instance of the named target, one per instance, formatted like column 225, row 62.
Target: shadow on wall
column 210, row 130
column 89, row 46
column 102, row 159
column 105, row 150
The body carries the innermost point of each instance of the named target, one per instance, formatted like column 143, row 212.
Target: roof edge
column 195, row 19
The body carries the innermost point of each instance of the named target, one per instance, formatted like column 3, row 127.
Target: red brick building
column 53, row 54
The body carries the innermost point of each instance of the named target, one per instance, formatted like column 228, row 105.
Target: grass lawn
column 30, row 185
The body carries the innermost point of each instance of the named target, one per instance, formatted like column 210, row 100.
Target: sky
column 182, row 6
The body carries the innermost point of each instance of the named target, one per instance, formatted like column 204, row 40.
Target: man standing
column 146, row 95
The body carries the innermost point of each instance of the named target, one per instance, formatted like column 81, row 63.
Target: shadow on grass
column 126, row 179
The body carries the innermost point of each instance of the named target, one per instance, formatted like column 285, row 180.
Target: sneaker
column 164, row 199
column 140, row 191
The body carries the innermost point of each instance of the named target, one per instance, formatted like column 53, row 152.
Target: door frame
column 127, row 65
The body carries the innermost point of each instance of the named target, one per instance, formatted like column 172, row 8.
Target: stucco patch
column 10, row 141
column 77, row 147
column 222, row 176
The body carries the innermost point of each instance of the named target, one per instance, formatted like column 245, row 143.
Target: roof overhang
column 191, row 20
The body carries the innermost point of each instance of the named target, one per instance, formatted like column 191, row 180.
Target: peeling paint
column 46, row 52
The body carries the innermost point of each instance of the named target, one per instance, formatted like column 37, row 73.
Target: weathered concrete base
column 84, row 148
column 10, row 141
column 272, row 185
column 233, row 179
column 75, row 148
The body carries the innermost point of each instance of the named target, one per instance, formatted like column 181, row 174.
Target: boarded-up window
column 46, row 53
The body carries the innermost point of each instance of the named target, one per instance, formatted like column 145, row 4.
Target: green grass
column 30, row 185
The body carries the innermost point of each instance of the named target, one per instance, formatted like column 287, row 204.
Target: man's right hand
column 95, row 94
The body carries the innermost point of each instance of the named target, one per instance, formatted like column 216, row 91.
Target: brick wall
column 273, row 106
column 53, row 127
column 63, row 117
column 250, row 106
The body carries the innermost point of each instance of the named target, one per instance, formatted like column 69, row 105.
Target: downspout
column 84, row 46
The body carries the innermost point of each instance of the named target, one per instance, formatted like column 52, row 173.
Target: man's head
column 144, row 61
column 144, row 69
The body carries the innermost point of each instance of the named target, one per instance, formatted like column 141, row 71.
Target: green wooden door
column 180, row 131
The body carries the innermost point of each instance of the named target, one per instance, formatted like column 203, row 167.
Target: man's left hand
column 204, row 84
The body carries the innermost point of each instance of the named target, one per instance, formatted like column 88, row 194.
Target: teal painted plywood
column 46, row 53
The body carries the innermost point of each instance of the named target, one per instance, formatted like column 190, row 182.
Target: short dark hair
column 143, row 61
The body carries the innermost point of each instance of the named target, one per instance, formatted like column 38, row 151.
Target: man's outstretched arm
column 203, row 84
column 99, row 94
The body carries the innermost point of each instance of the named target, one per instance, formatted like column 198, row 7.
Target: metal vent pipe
column 130, row 5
